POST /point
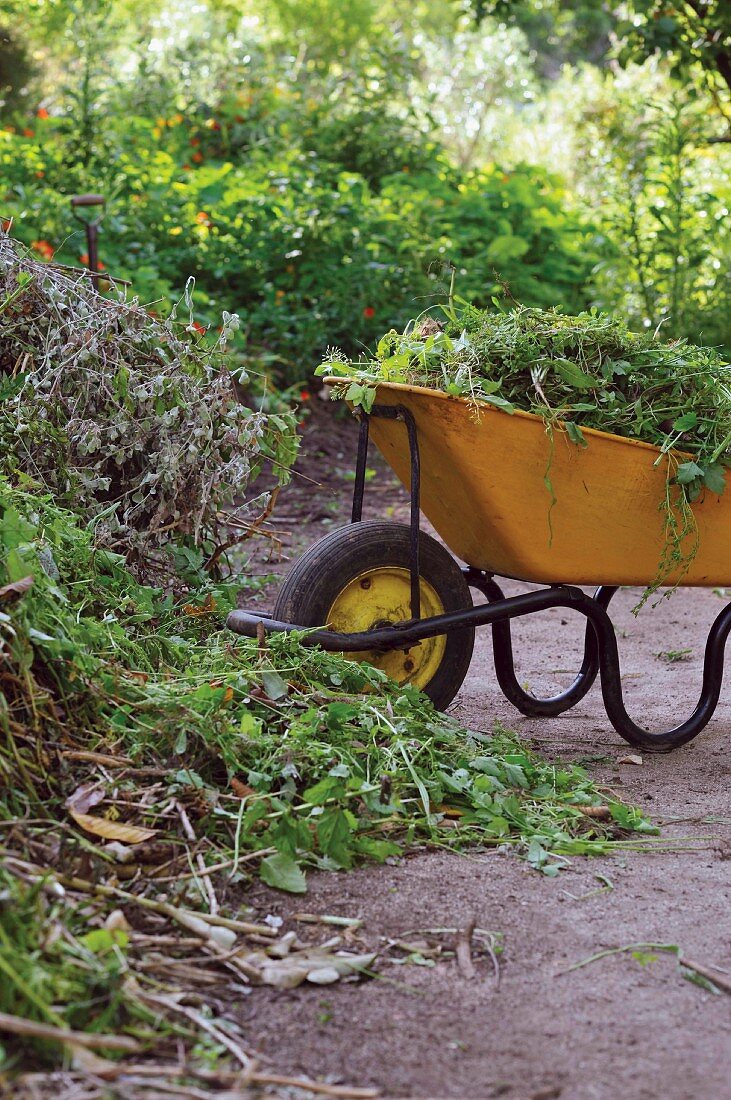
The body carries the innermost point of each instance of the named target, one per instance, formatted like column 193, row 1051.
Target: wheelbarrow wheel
column 358, row 578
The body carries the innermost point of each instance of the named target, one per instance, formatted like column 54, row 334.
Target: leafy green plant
column 666, row 202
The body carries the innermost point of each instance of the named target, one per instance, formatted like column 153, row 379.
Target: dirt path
column 621, row 1026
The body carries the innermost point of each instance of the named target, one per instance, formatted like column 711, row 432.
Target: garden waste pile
column 588, row 371
column 151, row 764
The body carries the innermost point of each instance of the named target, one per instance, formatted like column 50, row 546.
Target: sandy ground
column 619, row 1027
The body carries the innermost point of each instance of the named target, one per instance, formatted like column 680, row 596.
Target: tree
column 694, row 34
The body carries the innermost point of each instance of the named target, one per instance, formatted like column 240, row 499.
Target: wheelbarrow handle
column 87, row 200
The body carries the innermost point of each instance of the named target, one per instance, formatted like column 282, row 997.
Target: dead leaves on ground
column 15, row 589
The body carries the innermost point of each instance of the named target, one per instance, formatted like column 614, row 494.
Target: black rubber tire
column 312, row 585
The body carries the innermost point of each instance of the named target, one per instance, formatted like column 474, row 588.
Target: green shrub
column 308, row 252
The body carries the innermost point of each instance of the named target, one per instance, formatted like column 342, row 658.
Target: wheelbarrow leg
column 502, row 642
column 611, row 682
column 605, row 644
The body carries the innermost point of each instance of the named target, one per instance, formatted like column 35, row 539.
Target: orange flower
column 369, row 312
column 40, row 174
column 305, row 395
column 7, row 224
column 199, row 328
column 43, row 248
column 195, row 142
column 28, row 132
column 42, row 113
column 202, row 218
column 197, row 157
column 84, row 259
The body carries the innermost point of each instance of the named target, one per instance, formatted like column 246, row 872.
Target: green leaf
column 283, row 873
column 685, row 422
column 688, row 472
column 250, row 725
column 575, row 434
column 369, row 396
column 572, row 374
column 376, row 849
column 334, row 835
column 715, row 479
column 101, row 940
column 275, row 687
column 326, row 788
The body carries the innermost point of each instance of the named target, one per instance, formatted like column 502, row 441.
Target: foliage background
column 321, row 169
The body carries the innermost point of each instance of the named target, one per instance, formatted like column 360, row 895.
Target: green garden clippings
column 327, row 775
column 575, row 372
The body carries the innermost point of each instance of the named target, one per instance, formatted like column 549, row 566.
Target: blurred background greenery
column 322, row 167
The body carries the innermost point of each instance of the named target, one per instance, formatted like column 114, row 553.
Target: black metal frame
column 601, row 655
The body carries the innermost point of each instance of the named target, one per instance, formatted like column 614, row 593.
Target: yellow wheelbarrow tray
column 509, row 499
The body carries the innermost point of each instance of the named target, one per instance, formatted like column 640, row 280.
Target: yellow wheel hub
column 380, row 596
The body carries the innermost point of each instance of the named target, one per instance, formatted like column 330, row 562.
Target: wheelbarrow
column 390, row 594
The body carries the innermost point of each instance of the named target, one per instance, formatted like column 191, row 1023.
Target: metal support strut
column 601, row 656
column 393, row 412
column 502, row 648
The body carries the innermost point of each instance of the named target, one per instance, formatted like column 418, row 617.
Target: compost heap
column 130, row 421
column 152, row 763
column 585, row 371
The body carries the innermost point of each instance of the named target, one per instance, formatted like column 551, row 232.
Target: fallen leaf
column 630, row 758
column 314, row 965
column 117, row 921
column 84, row 797
column 15, row 588
column 283, row 946
column 326, row 975
column 113, row 830
column 224, row 938
column 121, row 852
column 209, row 605
column 283, row 873
column 241, row 790
column 463, row 950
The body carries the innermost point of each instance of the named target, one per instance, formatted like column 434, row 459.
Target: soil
column 624, row 1025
